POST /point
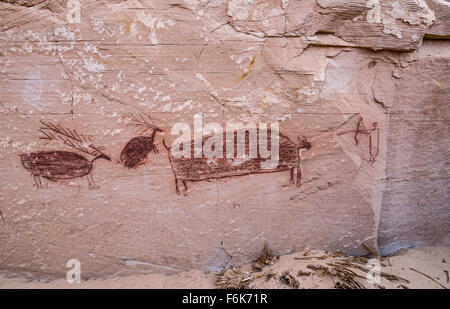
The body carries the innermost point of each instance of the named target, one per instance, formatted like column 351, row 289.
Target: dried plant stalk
column 429, row 277
column 234, row 278
column 71, row 138
column 373, row 252
column 142, row 122
column 265, row 258
column 322, row 257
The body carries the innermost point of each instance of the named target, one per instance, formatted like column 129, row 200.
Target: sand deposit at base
column 406, row 264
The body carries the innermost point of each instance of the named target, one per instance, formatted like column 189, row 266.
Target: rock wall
column 365, row 82
column 415, row 208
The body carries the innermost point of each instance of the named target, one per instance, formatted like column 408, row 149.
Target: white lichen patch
column 93, row 66
column 27, row 47
column 211, row 89
column 7, row 142
column 285, row 117
column 93, row 49
column 152, row 23
column 374, row 14
column 239, row 9
column 112, row 132
column 415, row 13
column 307, row 94
column 82, row 98
column 64, row 33
column 187, row 104
column 98, row 26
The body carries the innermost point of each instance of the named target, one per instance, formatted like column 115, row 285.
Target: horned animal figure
column 136, row 151
column 198, row 169
column 57, row 165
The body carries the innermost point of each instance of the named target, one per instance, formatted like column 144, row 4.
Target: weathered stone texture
column 415, row 209
column 316, row 67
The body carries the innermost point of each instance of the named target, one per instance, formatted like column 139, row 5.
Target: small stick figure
column 360, row 129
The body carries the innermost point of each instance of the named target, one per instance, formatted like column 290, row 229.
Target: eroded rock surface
column 361, row 80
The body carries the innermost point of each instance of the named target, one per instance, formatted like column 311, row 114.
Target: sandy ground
column 430, row 261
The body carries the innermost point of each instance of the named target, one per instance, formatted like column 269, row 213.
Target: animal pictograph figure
column 136, row 151
column 58, row 165
column 199, row 169
column 373, row 133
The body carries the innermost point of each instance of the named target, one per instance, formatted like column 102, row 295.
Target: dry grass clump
column 233, row 278
column 346, row 271
column 349, row 263
column 343, row 272
column 265, row 258
column 342, row 278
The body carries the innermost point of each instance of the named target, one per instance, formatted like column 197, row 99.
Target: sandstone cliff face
column 366, row 82
column 415, row 207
